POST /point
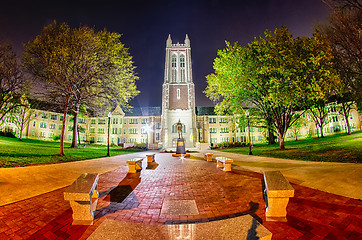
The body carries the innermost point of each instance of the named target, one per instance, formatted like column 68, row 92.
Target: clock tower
column 178, row 95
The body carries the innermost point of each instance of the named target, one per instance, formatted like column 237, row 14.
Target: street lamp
column 247, row 118
column 109, row 132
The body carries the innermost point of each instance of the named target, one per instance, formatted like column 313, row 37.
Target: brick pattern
column 138, row 197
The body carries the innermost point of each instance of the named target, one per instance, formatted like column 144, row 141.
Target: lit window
column 173, row 61
column 182, row 61
column 178, row 94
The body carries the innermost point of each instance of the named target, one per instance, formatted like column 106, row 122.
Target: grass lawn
column 333, row 148
column 15, row 153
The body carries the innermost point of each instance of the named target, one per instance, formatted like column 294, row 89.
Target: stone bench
column 277, row 192
column 83, row 198
column 134, row 164
column 150, row 158
column 208, row 157
column 224, row 162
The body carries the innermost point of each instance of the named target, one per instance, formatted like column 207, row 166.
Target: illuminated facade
column 157, row 128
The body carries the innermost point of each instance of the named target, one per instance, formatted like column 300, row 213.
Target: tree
column 300, row 122
column 276, row 73
column 319, row 113
column 12, row 81
column 78, row 64
column 344, row 32
column 22, row 115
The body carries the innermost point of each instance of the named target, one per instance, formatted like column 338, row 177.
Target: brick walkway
column 312, row 214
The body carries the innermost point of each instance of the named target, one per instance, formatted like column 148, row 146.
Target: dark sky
column 145, row 26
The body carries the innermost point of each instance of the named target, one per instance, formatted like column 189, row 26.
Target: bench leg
column 83, row 212
column 139, row 166
column 209, row 158
column 132, row 168
column 277, row 208
column 220, row 164
column 227, row 167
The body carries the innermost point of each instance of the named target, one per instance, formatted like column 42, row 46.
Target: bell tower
column 178, row 95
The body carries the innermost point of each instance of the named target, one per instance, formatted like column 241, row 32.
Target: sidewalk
column 338, row 178
column 127, row 199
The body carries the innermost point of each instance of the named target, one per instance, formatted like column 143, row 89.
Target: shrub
column 56, row 137
column 8, row 134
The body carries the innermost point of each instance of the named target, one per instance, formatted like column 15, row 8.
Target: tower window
column 182, row 61
column 178, row 94
column 173, row 61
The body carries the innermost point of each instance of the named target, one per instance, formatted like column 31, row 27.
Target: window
column 53, row 117
column 101, row 121
column 124, row 131
column 213, row 130
column 50, row 135
column 44, row 115
column 212, row 120
column 224, row 130
column 92, row 130
column 60, row 127
column 157, row 136
column 34, row 124
column 144, row 120
column 114, row 130
column 82, row 121
column 178, row 94
column 223, row 120
column 61, row 118
column 133, row 121
column 260, row 129
column 115, row 121
column 43, row 125
column 158, row 125
column 143, row 130
column 173, row 61
column 133, row 131
column 225, row 139
column 42, row 134
column 100, row 139
column 70, row 128
column 52, row 126
column 100, row 131
column 174, row 128
column 182, row 61
column 91, row 139
column 93, row 121
column 213, row 140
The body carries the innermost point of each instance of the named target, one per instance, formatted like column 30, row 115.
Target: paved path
column 139, row 198
column 339, row 178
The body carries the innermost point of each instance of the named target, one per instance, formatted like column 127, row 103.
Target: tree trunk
column 346, row 119
column 63, row 127
column 271, row 137
column 281, row 143
column 321, row 128
column 75, row 127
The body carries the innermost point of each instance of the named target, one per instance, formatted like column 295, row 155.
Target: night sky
column 145, row 26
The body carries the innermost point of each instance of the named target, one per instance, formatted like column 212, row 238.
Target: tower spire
column 187, row 41
column 169, row 41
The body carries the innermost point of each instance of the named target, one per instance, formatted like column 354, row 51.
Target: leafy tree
column 276, row 73
column 300, row 122
column 22, row 115
column 344, row 32
column 11, row 80
column 80, row 67
column 319, row 113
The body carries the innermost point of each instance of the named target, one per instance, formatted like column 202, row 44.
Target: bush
column 8, row 134
column 56, row 137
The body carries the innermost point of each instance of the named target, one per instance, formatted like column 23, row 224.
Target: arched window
column 173, row 61
column 182, row 61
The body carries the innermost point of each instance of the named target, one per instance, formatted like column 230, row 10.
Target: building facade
column 157, row 128
column 178, row 95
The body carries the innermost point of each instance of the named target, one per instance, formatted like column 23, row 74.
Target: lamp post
column 109, row 132
column 147, row 128
column 247, row 118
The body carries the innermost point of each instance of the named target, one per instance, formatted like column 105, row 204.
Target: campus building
column 156, row 126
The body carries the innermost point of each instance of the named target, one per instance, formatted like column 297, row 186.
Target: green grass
column 333, row 148
column 14, row 153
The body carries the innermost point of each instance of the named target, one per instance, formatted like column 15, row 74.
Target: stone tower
column 178, row 95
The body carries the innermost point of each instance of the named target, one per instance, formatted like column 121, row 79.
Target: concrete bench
column 208, row 157
column 277, row 192
column 83, row 198
column 150, row 158
column 134, row 164
column 224, row 162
